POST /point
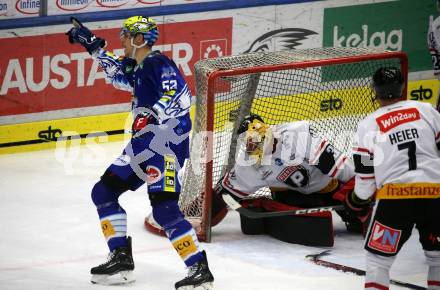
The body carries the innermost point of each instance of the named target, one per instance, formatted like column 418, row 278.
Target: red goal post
column 330, row 87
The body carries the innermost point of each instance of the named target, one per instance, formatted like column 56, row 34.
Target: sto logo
column 384, row 239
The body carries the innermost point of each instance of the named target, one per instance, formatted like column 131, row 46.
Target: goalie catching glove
column 82, row 35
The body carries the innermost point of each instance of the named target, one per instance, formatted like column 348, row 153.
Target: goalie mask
column 256, row 132
column 388, row 83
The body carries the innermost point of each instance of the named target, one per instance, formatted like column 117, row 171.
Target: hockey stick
column 316, row 258
column 235, row 205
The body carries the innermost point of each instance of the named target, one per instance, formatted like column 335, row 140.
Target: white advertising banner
column 19, row 8
column 269, row 28
column 56, row 7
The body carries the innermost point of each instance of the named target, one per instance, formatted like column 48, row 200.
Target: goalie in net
column 328, row 87
column 301, row 170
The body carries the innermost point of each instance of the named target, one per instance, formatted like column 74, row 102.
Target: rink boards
column 112, row 127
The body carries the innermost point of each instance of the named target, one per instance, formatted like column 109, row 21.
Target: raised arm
column 113, row 66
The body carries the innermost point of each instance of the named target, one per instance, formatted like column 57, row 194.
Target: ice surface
column 50, row 236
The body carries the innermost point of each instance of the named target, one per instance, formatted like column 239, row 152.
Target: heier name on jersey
column 403, row 135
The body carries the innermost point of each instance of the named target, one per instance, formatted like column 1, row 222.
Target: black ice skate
column 117, row 270
column 198, row 276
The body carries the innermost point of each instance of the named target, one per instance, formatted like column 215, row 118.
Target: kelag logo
column 111, row 3
column 28, row 6
column 404, row 28
column 366, row 38
column 73, row 5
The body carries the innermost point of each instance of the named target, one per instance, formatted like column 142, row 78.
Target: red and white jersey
column 397, row 144
column 297, row 161
column 434, row 45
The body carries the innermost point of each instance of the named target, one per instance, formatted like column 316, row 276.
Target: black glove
column 357, row 207
column 82, row 35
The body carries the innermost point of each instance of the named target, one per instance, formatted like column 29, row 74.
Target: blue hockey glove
column 82, row 35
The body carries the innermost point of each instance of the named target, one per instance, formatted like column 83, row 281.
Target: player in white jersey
column 397, row 160
column 300, row 168
column 434, row 47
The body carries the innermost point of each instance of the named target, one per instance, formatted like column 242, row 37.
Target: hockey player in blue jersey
column 155, row 153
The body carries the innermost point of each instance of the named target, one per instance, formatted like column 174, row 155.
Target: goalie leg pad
column 303, row 230
column 252, row 226
column 310, row 230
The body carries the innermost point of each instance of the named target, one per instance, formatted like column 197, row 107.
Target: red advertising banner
column 43, row 73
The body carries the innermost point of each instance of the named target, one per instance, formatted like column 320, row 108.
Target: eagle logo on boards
column 280, row 39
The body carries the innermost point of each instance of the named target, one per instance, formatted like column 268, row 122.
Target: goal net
column 330, row 87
